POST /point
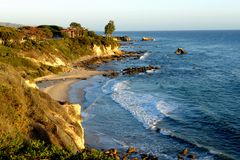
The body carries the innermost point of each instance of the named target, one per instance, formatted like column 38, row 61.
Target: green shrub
column 5, row 51
column 33, row 149
column 55, row 30
column 8, row 34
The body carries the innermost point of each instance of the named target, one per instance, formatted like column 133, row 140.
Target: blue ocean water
column 194, row 99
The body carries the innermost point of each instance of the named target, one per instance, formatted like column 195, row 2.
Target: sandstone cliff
column 31, row 114
column 105, row 51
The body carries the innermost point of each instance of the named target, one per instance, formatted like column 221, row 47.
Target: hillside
column 29, row 118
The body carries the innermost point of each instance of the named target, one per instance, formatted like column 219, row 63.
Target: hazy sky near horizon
column 127, row 14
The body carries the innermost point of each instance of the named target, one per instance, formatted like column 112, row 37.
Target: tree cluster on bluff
column 14, row 36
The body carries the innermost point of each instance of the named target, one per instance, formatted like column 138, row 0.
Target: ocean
column 192, row 101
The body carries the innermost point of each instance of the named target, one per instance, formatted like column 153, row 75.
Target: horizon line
column 151, row 30
column 174, row 30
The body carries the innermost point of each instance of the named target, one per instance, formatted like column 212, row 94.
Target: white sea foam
column 86, row 116
column 211, row 150
column 144, row 56
column 107, row 87
column 165, row 132
column 145, row 108
column 151, row 71
column 164, row 108
column 123, row 144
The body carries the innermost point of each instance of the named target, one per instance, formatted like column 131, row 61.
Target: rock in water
column 184, row 152
column 147, row 39
column 136, row 70
column 192, row 156
column 180, row 157
column 111, row 74
column 111, row 151
column 131, row 150
column 181, row 51
column 126, row 38
column 123, row 38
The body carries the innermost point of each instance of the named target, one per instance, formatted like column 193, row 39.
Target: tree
column 110, row 28
column 47, row 32
column 79, row 30
column 75, row 25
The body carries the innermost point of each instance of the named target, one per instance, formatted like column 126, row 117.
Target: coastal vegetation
column 110, row 28
column 34, row 149
column 23, row 46
column 32, row 124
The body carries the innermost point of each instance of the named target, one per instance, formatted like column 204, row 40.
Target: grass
column 26, row 67
column 33, row 149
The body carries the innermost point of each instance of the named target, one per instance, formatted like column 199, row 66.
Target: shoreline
column 57, row 86
column 81, row 70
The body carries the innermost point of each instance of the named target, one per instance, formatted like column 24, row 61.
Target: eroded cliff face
column 68, row 130
column 105, row 51
column 56, row 61
column 53, row 61
column 31, row 114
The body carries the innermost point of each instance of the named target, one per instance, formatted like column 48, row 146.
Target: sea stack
column 181, row 51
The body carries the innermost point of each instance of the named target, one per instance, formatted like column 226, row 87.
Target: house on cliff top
column 72, row 32
column 69, row 32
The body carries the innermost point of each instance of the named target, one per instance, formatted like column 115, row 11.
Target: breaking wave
column 146, row 108
column 144, row 56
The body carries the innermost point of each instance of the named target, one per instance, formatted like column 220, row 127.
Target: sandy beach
column 57, row 86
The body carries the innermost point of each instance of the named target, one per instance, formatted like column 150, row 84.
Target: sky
column 128, row 15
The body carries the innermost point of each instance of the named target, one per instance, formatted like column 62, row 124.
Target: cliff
column 26, row 113
column 106, row 50
column 31, row 114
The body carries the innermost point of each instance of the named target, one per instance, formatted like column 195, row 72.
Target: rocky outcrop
column 111, row 74
column 104, row 51
column 31, row 84
column 147, row 39
column 136, row 70
column 181, row 51
column 50, row 61
column 70, row 131
column 186, row 154
column 93, row 62
column 123, row 38
column 131, row 150
column 61, row 127
column 131, row 153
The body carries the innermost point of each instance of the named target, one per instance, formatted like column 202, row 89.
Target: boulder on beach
column 181, row 51
column 147, row 39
